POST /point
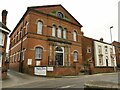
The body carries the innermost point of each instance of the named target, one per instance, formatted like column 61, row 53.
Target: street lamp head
column 111, row 27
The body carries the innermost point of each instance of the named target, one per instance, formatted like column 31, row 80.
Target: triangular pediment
column 57, row 11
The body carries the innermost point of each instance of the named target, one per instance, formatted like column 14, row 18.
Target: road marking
column 68, row 86
column 65, row 87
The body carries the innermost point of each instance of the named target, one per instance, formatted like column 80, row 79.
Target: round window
column 60, row 15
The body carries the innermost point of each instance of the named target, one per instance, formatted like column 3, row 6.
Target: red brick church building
column 46, row 41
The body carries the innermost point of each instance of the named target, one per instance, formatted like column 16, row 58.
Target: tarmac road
column 20, row 81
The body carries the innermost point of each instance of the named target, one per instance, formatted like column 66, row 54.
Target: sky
column 96, row 16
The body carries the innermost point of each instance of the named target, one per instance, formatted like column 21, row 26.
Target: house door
column 59, row 56
column 107, row 61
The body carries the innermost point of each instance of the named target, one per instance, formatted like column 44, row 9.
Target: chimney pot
column 101, row 39
column 4, row 16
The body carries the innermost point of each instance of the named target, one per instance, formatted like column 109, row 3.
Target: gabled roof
column 97, row 40
column 33, row 8
column 4, row 27
column 53, row 6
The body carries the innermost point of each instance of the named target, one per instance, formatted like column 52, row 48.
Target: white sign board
column 29, row 61
column 37, row 63
column 40, row 71
column 49, row 68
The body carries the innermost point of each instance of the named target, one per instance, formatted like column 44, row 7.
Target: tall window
column 75, row 36
column 106, row 49
column 99, row 49
column 39, row 27
column 38, row 53
column 65, row 33
column 111, row 51
column 59, row 32
column 100, row 60
column 75, row 55
column 1, row 38
column 88, row 49
column 26, row 27
column 54, row 30
column 0, row 59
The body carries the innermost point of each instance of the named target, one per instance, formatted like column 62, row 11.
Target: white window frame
column 74, row 36
column 54, row 31
column 99, row 49
column 75, row 56
column 39, row 27
column 88, row 49
column 59, row 32
column 65, row 33
column 38, row 54
column 0, row 59
column 2, row 38
column 106, row 49
column 100, row 58
column 26, row 27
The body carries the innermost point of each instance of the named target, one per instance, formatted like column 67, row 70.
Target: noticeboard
column 40, row 71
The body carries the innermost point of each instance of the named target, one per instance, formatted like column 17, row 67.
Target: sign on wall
column 40, row 71
column 49, row 68
column 29, row 61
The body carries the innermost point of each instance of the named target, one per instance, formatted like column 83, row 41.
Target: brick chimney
column 101, row 39
column 4, row 16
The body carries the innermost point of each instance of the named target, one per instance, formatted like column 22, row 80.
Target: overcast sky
column 96, row 16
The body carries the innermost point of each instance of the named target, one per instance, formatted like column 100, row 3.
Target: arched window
column 38, row 53
column 39, row 27
column 59, row 32
column 59, row 49
column 75, row 55
column 54, row 31
column 65, row 33
column 60, row 15
column 26, row 27
column 74, row 36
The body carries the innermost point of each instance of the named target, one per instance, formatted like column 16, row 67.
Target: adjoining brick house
column 97, row 56
column 46, row 41
column 117, row 50
column 4, row 31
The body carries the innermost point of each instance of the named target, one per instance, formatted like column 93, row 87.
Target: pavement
column 17, row 79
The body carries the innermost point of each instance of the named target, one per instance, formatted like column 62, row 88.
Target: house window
column 59, row 32
column 75, row 36
column 60, row 15
column 14, row 58
column 101, row 60
column 54, row 31
column 99, row 49
column 0, row 59
column 65, row 33
column 26, row 27
column 19, row 56
column 119, row 49
column 39, row 27
column 38, row 53
column 23, row 54
column 17, row 36
column 107, row 60
column 1, row 38
column 106, row 49
column 111, row 51
column 75, row 56
column 89, row 50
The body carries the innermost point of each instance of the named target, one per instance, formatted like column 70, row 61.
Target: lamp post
column 112, row 47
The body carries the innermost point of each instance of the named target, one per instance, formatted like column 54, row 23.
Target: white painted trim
column 61, row 52
column 4, row 29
